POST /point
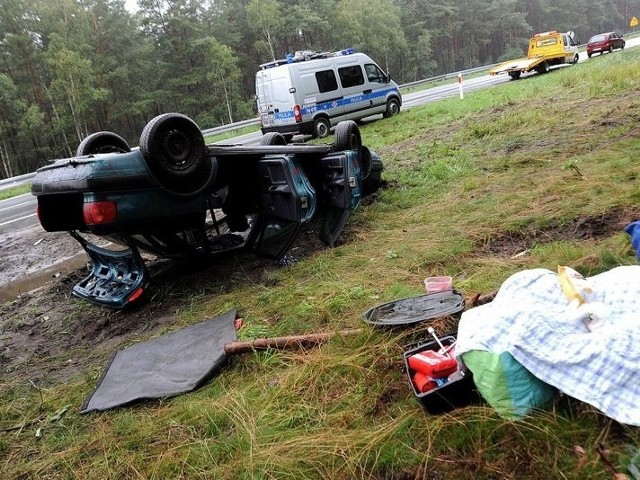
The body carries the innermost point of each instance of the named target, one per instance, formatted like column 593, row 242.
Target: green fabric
column 506, row 385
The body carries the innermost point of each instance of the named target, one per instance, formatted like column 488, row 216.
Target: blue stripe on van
column 341, row 102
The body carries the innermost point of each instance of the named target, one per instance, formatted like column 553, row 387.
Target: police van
column 310, row 92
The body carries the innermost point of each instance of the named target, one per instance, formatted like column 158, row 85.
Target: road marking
column 17, row 220
column 14, row 206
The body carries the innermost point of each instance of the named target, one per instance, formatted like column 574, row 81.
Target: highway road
column 19, row 212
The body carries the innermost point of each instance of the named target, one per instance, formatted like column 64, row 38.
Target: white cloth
column 531, row 319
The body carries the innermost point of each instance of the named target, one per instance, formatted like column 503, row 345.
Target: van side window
column 374, row 74
column 326, row 81
column 351, row 76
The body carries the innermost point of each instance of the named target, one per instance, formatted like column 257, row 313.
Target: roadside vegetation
column 14, row 191
column 534, row 173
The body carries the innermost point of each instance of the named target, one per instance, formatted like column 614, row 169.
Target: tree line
column 69, row 68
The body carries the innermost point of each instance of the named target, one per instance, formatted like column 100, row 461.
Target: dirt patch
column 582, row 228
column 30, row 252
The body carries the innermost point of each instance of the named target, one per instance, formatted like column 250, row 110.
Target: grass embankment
column 534, row 173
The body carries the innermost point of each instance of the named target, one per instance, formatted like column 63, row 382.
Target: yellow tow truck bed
column 545, row 50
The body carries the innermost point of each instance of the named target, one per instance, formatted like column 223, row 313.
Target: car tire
column 273, row 138
column 102, row 142
column 321, row 127
column 589, row 55
column 575, row 59
column 622, row 46
column 347, row 136
column 173, row 147
column 393, row 108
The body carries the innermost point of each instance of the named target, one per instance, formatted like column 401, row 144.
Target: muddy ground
column 48, row 336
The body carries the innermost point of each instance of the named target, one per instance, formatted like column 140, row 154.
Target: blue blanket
column 597, row 362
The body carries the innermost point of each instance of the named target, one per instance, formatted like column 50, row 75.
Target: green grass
column 477, row 189
column 14, row 191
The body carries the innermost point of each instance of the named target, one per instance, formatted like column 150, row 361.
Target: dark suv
column 604, row 42
column 177, row 197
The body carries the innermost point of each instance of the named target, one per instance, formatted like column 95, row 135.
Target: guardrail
column 230, row 127
column 15, row 181
column 446, row 76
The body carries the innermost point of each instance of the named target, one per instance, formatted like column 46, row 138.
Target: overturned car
column 177, row 197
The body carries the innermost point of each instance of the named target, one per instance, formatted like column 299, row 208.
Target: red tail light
column 135, row 295
column 297, row 113
column 99, row 213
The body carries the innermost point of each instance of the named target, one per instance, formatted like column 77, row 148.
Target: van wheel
column 321, row 127
column 393, row 108
column 273, row 138
column 102, row 142
column 173, row 147
column 347, row 136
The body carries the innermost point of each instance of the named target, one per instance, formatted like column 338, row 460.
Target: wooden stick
column 293, row 341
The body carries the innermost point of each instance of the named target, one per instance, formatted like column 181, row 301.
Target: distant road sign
column 633, row 22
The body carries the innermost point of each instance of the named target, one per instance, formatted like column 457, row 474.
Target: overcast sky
column 131, row 5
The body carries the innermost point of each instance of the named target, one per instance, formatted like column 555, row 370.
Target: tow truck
column 545, row 50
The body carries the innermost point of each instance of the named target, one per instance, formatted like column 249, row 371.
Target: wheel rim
column 322, row 129
column 177, row 149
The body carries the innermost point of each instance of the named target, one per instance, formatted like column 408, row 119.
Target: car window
column 351, row 76
column 597, row 38
column 374, row 74
column 326, row 81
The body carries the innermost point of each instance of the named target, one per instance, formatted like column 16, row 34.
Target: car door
column 342, row 187
column 287, row 201
column 616, row 41
column 356, row 91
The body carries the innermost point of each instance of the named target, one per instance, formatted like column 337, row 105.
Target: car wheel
column 576, row 58
column 622, row 46
column 347, row 136
column 102, row 142
column 273, row 138
column 174, row 149
column 589, row 54
column 393, row 108
column 321, row 127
